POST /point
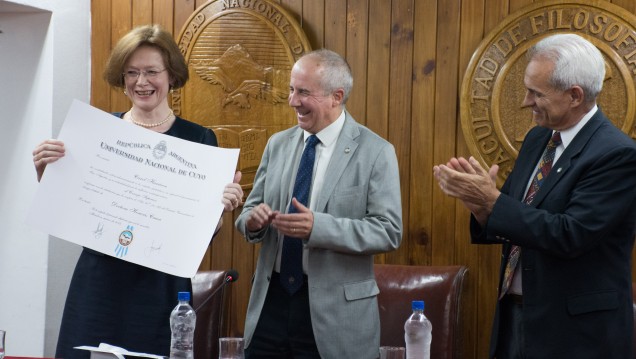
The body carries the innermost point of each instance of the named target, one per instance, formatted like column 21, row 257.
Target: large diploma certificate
column 131, row 193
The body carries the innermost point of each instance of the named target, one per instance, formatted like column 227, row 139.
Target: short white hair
column 577, row 62
column 336, row 71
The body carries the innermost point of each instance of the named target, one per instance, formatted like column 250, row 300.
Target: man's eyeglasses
column 134, row 74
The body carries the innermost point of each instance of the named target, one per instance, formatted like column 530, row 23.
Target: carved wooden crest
column 240, row 54
column 493, row 122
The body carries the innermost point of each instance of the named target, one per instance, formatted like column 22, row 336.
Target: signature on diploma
column 99, row 231
column 154, row 249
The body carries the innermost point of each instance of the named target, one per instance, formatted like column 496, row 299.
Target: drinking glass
column 3, row 333
column 231, row 348
column 392, row 352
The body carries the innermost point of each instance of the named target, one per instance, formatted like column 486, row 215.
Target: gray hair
column 577, row 62
column 336, row 72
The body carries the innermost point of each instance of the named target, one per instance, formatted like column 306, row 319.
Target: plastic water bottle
column 182, row 322
column 418, row 333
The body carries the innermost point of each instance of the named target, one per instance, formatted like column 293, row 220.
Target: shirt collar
column 568, row 135
column 329, row 134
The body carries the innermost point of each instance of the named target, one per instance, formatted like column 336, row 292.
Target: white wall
column 44, row 64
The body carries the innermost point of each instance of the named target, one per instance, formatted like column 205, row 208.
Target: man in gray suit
column 353, row 212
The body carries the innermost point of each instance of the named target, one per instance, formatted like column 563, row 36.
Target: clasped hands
column 469, row 182
column 297, row 225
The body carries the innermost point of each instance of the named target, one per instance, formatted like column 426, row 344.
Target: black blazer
column 577, row 238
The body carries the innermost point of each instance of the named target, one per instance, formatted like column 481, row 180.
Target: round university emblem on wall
column 240, row 54
column 493, row 121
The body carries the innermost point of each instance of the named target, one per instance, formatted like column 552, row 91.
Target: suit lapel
column 561, row 166
column 294, row 148
column 346, row 146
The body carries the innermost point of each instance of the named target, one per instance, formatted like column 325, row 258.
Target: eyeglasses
column 134, row 74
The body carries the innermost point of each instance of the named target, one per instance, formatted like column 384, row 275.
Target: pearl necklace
column 150, row 125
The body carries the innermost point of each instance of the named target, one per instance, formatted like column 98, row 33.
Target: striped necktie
column 542, row 172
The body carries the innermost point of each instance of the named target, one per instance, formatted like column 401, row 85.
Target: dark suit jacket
column 577, row 238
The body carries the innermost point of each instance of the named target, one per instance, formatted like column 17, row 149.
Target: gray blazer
column 357, row 214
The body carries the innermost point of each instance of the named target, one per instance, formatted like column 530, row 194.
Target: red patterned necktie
column 542, row 172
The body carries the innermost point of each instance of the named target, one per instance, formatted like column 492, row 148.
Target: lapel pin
column 347, row 150
column 559, row 170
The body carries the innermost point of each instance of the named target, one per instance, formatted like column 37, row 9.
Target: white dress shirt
column 567, row 136
column 328, row 137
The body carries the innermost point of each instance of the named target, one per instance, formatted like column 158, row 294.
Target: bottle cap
column 417, row 305
column 184, row 296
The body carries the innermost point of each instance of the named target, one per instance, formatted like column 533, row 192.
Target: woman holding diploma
column 110, row 300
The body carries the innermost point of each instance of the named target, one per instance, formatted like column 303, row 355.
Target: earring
column 125, row 93
column 171, row 90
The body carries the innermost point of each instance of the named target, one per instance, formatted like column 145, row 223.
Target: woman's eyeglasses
column 134, row 74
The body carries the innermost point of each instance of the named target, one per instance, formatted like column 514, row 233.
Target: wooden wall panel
column 471, row 33
column 378, row 66
column 447, row 51
column 518, row 4
column 425, row 69
column 495, row 11
column 141, row 12
column 629, row 5
column 356, row 52
column 100, row 49
column 335, row 27
column 408, row 58
column 182, row 11
column 121, row 21
column 399, row 101
column 313, row 22
column 295, row 8
column 163, row 14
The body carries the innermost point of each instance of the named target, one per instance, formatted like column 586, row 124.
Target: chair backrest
column 440, row 287
column 210, row 313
